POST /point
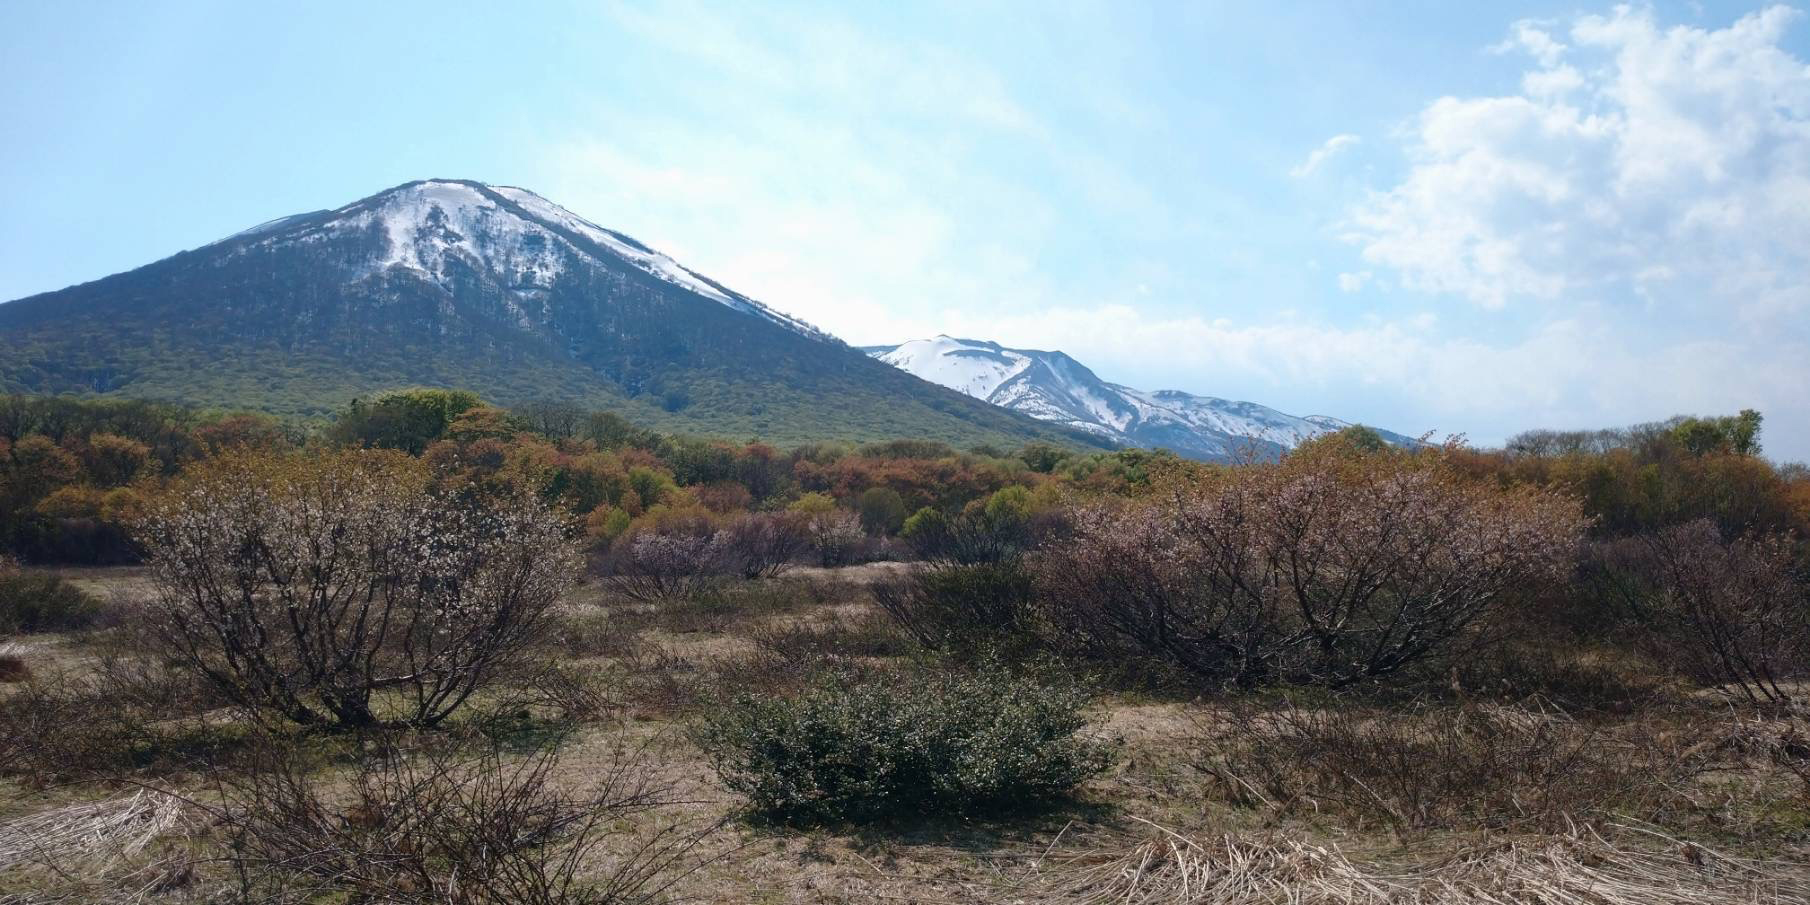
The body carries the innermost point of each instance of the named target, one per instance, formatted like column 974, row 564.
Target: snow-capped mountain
column 438, row 227
column 493, row 289
column 1051, row 386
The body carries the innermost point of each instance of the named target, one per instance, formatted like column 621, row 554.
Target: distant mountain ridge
column 447, row 282
column 1051, row 386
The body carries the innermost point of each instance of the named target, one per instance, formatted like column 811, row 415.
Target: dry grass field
column 1261, row 798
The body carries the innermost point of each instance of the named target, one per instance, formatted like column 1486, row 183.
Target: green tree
column 1738, row 434
column 813, row 503
column 1043, row 458
column 882, row 511
column 408, row 420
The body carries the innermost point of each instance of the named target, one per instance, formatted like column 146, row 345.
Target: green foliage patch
column 942, row 745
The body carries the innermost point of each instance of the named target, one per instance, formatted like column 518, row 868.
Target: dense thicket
column 75, row 473
column 1348, row 560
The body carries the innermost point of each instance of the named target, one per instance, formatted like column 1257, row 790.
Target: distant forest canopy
column 75, row 472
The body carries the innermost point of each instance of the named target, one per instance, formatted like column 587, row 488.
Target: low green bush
column 41, row 602
column 943, row 744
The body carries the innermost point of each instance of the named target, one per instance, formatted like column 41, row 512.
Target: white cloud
column 1534, row 38
column 1353, row 282
column 1667, row 167
column 1322, row 154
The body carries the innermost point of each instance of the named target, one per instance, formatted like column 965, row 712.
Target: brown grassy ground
column 1200, row 808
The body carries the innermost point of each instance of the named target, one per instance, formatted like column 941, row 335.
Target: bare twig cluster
column 436, row 827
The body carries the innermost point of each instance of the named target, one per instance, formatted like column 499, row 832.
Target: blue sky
column 1468, row 218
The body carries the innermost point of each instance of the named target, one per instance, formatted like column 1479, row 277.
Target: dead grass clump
column 1579, row 867
column 837, row 637
column 1782, row 742
column 96, row 834
column 100, row 848
column 1435, row 766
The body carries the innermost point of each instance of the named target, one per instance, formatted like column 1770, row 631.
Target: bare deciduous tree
column 764, row 544
column 835, row 536
column 309, row 586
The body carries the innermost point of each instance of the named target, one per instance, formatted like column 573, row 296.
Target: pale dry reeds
column 1580, row 867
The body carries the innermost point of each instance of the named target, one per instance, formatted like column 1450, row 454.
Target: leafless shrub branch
column 436, row 827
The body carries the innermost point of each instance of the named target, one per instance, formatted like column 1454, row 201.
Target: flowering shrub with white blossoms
column 657, row 567
column 835, row 536
column 343, row 589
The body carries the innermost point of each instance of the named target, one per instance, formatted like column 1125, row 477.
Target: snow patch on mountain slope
column 978, row 369
column 653, row 262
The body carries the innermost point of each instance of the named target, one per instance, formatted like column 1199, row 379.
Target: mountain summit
column 490, row 288
column 439, row 228
column 1051, row 386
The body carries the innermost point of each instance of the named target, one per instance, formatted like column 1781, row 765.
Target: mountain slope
column 1053, row 387
column 494, row 289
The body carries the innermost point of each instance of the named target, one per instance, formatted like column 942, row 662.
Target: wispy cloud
column 1320, row 155
column 857, row 180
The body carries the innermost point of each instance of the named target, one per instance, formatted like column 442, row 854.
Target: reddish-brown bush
column 1722, row 611
column 1328, row 568
column 764, row 544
